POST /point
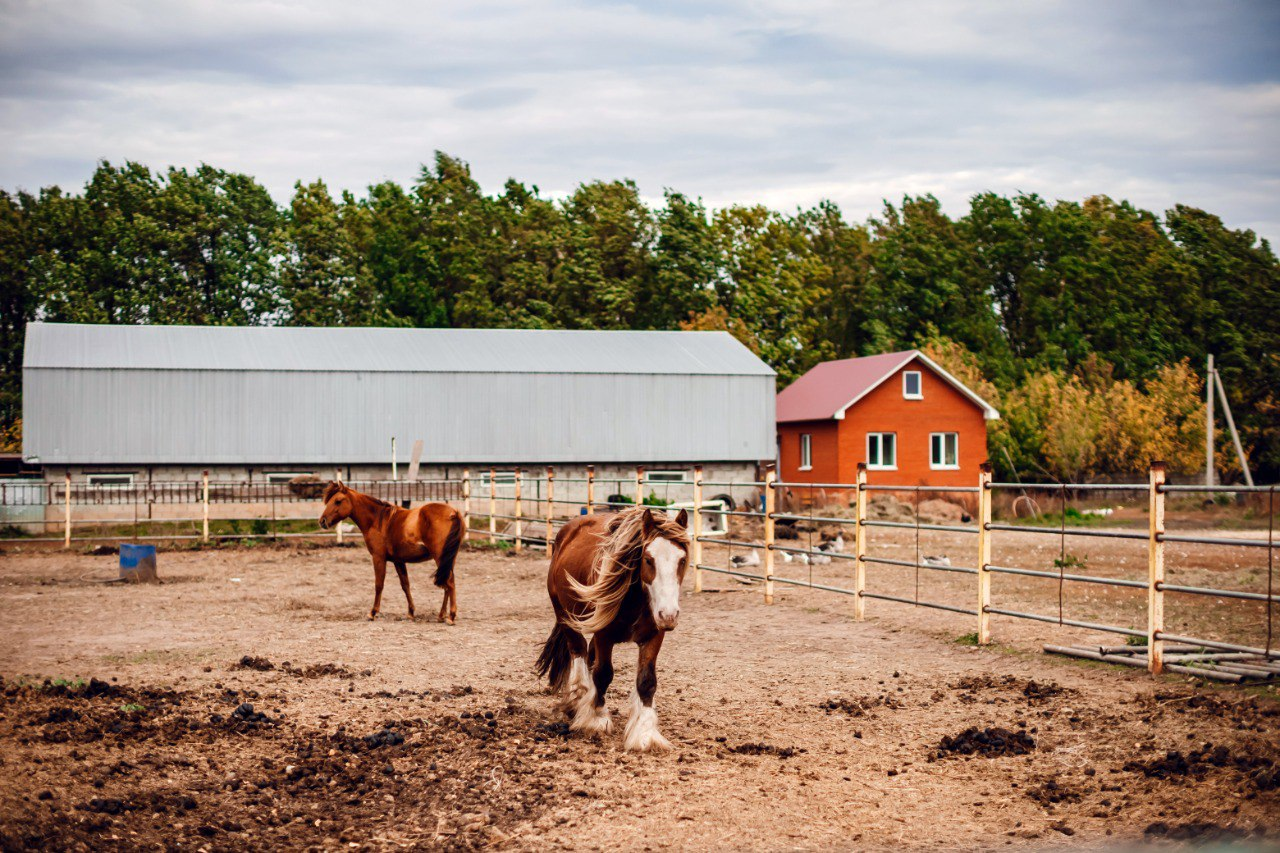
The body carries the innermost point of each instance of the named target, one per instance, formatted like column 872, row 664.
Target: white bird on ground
column 940, row 560
column 751, row 558
column 836, row 544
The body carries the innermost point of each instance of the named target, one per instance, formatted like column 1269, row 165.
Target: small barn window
column 944, row 450
column 283, row 477
column 500, row 478
column 806, row 451
column 665, row 476
column 110, row 479
column 911, row 385
column 882, row 450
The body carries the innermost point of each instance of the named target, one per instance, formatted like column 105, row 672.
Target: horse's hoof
column 373, row 615
column 448, row 621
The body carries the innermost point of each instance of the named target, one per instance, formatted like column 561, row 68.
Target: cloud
column 779, row 102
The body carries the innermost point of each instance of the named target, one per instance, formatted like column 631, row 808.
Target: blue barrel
column 137, row 562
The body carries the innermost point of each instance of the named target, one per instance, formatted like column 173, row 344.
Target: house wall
column 824, row 452
column 942, row 409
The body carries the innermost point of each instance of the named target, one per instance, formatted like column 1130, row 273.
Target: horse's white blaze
column 664, row 592
column 642, row 732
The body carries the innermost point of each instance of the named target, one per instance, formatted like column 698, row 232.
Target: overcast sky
column 782, row 102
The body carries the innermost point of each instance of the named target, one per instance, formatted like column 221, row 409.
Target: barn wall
column 224, row 417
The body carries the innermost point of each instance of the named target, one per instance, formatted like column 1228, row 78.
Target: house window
column 944, row 451
column 882, row 451
column 110, row 479
column 665, row 476
column 283, row 477
column 806, row 451
column 911, row 385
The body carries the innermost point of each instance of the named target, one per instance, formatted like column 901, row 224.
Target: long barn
column 119, row 403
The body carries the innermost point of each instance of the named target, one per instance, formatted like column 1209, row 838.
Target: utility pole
column 1208, row 424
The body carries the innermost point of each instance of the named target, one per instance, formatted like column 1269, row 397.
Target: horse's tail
column 452, row 542
column 556, row 656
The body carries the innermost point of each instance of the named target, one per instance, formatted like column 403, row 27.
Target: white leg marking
column 579, row 682
column 642, row 733
column 589, row 719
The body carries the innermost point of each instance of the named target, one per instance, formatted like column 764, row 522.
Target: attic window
column 911, row 385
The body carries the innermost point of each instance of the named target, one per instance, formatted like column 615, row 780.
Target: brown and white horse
column 617, row 578
column 430, row 532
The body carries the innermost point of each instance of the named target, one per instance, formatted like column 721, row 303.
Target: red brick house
column 907, row 418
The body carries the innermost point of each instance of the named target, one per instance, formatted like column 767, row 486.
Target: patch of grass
column 70, row 683
column 132, row 708
column 1071, row 561
column 1131, row 640
column 970, row 639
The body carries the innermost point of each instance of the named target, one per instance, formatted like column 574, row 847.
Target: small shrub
column 133, row 708
column 1071, row 561
column 259, row 527
column 970, row 639
column 1132, row 640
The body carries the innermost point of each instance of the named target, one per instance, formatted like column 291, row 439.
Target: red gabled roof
column 829, row 388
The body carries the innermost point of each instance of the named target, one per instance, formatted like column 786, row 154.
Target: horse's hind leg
column 449, row 603
column 591, row 716
column 379, row 578
column 579, row 681
column 642, row 726
column 403, row 573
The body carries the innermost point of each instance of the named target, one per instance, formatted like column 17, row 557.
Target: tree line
column 1086, row 322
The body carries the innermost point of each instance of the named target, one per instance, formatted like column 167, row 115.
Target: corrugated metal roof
column 829, row 388
column 246, row 348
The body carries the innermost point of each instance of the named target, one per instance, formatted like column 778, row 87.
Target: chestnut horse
column 616, row 577
column 430, row 532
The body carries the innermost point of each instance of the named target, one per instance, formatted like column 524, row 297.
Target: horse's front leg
column 403, row 572
column 642, row 726
column 379, row 577
column 591, row 715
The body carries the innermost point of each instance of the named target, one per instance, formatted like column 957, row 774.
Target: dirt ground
column 794, row 727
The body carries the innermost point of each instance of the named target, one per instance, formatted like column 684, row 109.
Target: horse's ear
column 649, row 523
column 682, row 518
column 331, row 489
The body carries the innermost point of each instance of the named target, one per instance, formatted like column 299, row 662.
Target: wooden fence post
column 204, row 499
column 337, row 528
column 493, row 507
column 984, row 553
column 860, row 543
column 551, row 493
column 1155, row 570
column 591, row 490
column 639, row 485
column 769, row 502
column 519, row 517
column 466, row 504
column 66, row 498
column 697, row 528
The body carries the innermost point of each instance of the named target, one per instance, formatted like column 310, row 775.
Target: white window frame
column 878, row 466
column 119, row 480
column 806, row 451
column 500, row 478
column 666, row 476
column 919, row 394
column 282, row 478
column 938, row 439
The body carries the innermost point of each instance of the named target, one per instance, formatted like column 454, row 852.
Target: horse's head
column 337, row 505
column 662, row 565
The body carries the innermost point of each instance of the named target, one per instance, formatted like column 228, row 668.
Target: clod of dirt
column 318, row 670
column 245, row 717
column 385, row 737
column 766, row 749
column 82, row 690
column 1041, row 690
column 257, row 663
column 1053, row 792
column 1261, row 771
column 1194, row 831
column 989, row 742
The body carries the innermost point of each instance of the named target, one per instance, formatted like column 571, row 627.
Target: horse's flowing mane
column 617, row 559
column 334, row 487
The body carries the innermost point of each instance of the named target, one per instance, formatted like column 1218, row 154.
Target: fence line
column 526, row 488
